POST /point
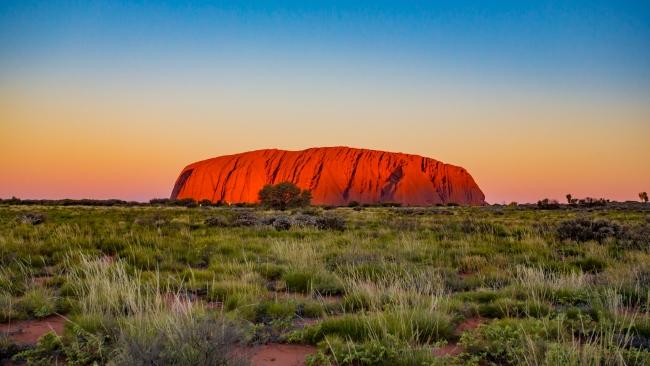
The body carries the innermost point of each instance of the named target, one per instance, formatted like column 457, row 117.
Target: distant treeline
column 185, row 202
column 546, row 203
column 188, row 202
column 573, row 202
column 70, row 202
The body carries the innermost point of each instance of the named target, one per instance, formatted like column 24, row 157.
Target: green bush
column 284, row 195
column 370, row 353
column 503, row 342
column 83, row 347
column 48, row 351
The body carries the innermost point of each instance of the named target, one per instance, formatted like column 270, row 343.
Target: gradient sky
column 110, row 99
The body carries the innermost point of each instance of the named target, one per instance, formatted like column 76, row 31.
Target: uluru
column 335, row 176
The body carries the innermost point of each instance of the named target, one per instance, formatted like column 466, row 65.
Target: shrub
column 282, row 223
column 83, row 347
column 47, row 352
column 205, row 203
column 246, row 219
column 582, row 230
column 592, row 202
column 503, row 342
column 284, row 195
column 369, row 353
column 305, row 220
column 636, row 237
column 31, row 218
column 384, row 352
column 331, row 222
column 185, row 202
column 7, row 347
column 216, row 221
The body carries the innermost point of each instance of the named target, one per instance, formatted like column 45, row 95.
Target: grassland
column 366, row 286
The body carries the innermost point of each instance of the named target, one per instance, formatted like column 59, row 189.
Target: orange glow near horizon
column 77, row 144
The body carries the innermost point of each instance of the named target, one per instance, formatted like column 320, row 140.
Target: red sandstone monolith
column 335, row 176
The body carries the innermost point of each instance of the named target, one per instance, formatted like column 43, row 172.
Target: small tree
column 284, row 195
column 568, row 198
column 644, row 196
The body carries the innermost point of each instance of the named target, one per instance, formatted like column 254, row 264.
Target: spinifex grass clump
column 141, row 322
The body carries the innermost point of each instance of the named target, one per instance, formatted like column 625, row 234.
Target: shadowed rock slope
column 335, row 175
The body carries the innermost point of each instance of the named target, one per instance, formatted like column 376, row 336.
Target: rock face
column 335, row 176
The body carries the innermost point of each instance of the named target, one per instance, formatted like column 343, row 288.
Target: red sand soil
column 453, row 349
column 469, row 324
column 281, row 354
column 335, row 176
column 27, row 332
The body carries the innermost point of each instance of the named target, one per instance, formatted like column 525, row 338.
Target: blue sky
column 594, row 43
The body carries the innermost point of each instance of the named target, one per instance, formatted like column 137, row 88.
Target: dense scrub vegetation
column 367, row 286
